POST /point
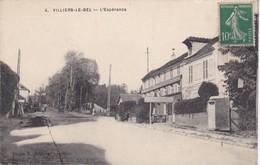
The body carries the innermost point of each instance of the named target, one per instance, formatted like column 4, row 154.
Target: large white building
column 182, row 77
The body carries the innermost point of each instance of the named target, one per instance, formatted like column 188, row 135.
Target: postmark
column 236, row 24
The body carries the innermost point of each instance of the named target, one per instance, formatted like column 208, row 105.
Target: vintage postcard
column 129, row 82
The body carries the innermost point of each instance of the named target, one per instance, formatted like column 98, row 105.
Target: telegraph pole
column 147, row 53
column 19, row 62
column 109, row 90
column 20, row 109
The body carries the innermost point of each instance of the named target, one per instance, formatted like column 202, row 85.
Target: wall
column 190, row 90
column 197, row 46
column 198, row 120
column 222, row 114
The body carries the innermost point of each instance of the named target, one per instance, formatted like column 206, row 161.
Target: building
column 128, row 97
column 166, row 80
column 181, row 78
column 23, row 93
column 201, row 64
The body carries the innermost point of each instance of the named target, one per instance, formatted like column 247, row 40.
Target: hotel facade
column 181, row 77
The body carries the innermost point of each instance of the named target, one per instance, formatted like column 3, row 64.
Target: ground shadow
column 7, row 143
column 49, row 153
column 41, row 119
column 70, row 120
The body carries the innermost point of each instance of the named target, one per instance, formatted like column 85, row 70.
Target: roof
column 205, row 49
column 129, row 97
column 21, row 97
column 188, row 41
column 170, row 63
column 23, row 88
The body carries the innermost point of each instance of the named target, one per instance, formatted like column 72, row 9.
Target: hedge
column 141, row 111
column 195, row 105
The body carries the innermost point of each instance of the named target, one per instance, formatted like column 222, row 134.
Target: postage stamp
column 236, row 24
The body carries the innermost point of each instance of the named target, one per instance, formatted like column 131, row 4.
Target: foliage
column 101, row 94
column 131, row 109
column 125, row 108
column 141, row 111
column 9, row 81
column 208, row 89
column 245, row 68
column 75, row 82
column 194, row 105
column 40, row 96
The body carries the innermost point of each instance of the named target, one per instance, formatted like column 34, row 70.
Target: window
column 190, row 74
column 178, row 71
column 171, row 89
column 164, row 76
column 178, row 87
column 171, row 73
column 205, row 69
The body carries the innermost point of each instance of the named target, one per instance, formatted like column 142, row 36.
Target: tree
column 101, row 94
column 208, row 89
column 75, row 82
column 244, row 69
column 40, row 96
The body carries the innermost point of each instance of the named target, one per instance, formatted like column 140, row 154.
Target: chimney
column 173, row 53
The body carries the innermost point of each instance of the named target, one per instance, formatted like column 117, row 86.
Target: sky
column 119, row 38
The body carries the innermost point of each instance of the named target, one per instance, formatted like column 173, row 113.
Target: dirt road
column 106, row 141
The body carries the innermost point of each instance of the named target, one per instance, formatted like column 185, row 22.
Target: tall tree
column 244, row 69
column 75, row 82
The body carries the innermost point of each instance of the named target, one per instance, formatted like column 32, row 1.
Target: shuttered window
column 190, row 74
column 205, row 69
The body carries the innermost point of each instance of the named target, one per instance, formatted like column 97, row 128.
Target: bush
column 247, row 119
column 195, row 105
column 141, row 111
column 208, row 89
column 124, row 109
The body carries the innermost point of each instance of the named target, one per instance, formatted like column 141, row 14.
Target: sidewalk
column 248, row 141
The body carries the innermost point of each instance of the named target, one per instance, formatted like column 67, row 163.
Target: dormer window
column 194, row 44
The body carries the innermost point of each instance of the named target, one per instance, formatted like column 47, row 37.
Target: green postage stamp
column 236, row 24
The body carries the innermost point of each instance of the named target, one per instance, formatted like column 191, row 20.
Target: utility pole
column 147, row 53
column 109, row 90
column 19, row 62
column 20, row 108
column 16, row 91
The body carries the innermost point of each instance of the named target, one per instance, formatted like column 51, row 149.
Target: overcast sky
column 117, row 38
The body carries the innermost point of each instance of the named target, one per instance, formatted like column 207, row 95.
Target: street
column 112, row 142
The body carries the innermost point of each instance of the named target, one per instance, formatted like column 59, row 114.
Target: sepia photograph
column 129, row 82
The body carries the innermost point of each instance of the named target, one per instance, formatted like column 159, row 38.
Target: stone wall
column 198, row 120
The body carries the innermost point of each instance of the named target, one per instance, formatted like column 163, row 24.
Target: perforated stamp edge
column 253, row 22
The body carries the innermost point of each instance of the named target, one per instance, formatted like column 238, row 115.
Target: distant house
column 23, row 93
column 129, row 97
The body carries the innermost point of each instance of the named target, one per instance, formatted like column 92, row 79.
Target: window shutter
column 211, row 67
